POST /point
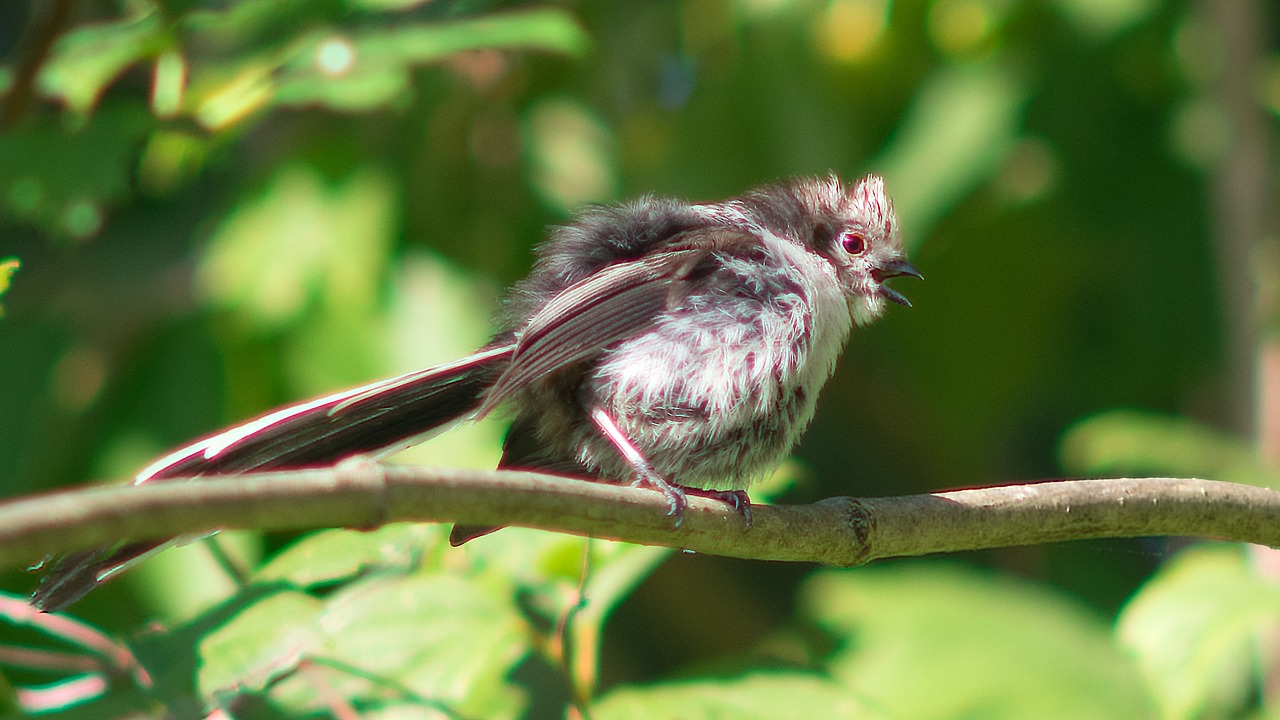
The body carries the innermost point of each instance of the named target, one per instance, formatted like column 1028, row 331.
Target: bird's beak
column 894, row 268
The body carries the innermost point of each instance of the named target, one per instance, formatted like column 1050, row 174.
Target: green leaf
column 1194, row 628
column 433, row 640
column 1129, row 442
column 771, row 695
column 572, row 154
column 928, row 640
column 259, row 644
column 444, row 637
column 1103, row 19
column 329, row 556
column 962, row 123
column 87, row 59
column 367, row 68
column 302, row 242
column 8, row 268
column 44, row 179
column 616, row 570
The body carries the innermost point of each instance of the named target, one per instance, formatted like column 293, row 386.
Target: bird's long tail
column 374, row 420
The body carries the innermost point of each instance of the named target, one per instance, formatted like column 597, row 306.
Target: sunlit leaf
column 259, row 643
column 8, row 268
column 961, row 124
column 572, row 154
column 331, row 555
column 86, row 59
column 1195, row 627
column 365, row 68
column 225, row 101
column 444, row 637
column 941, row 641
column 1105, row 18
column 301, row 242
column 761, row 695
column 1129, row 442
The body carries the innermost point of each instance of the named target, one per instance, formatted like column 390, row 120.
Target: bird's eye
column 853, row 242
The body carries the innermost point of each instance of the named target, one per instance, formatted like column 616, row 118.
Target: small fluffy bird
column 673, row 345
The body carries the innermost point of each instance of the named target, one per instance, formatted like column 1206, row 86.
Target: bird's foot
column 675, row 494
column 736, row 499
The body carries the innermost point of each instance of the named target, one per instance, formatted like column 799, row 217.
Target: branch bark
column 837, row 531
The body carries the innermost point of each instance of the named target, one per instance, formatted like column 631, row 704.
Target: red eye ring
column 853, row 242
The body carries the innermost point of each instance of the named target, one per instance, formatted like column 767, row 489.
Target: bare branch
column 836, row 531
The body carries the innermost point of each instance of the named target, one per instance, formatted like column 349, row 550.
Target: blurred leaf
column 961, row 124
column 1195, row 629
column 45, row 180
column 1105, row 18
column 1130, row 442
column 85, row 60
column 548, row 571
column 388, row 4
column 572, row 155
column 774, row 695
column 328, row 556
column 8, row 268
column 927, row 640
column 371, row 67
column 259, row 643
column 445, row 637
column 247, row 23
column 223, row 96
column 553, row 563
column 616, row 569
column 301, row 243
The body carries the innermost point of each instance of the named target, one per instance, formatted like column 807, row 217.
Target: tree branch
column 836, row 531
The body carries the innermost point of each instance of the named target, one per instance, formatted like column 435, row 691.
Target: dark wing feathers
column 610, row 305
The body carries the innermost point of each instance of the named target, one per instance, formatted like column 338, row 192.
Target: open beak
column 891, row 269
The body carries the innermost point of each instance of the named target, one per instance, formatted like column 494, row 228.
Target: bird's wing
column 610, row 305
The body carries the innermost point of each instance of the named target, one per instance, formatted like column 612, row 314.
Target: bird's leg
column 645, row 474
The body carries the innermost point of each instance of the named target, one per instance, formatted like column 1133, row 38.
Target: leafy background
column 221, row 207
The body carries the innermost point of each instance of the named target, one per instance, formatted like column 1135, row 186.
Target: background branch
column 835, row 531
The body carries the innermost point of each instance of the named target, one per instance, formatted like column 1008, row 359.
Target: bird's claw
column 675, row 495
column 736, row 499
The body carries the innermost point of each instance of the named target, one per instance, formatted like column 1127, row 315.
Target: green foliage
column 1195, row 630
column 222, row 207
column 8, row 267
column 774, row 695
column 933, row 641
column 391, row 622
column 1125, row 442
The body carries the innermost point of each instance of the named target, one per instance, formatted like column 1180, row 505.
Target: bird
column 679, row 346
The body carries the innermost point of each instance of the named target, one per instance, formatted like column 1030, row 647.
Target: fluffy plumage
column 675, row 345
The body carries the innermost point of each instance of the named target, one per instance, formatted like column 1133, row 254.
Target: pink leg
column 645, row 475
